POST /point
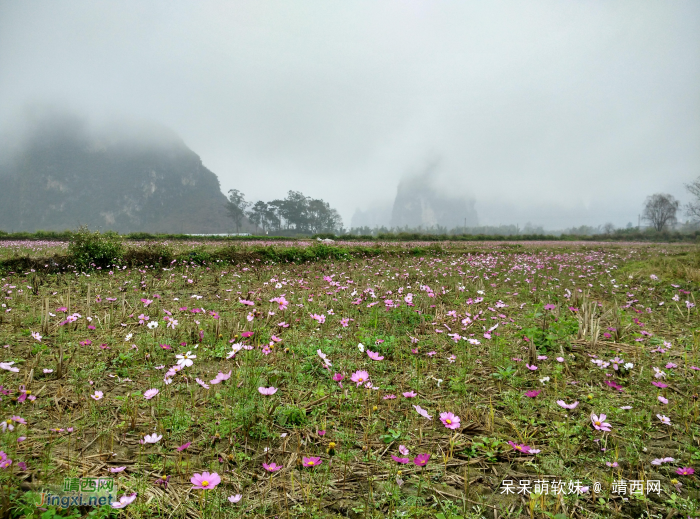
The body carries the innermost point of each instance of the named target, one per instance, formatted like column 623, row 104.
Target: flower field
column 452, row 381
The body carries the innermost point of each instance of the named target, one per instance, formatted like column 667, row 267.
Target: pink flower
column 311, row 462
column 360, row 377
column 202, row 383
column 183, row 446
column 599, row 423
column 345, row 322
column 400, row 460
column 685, row 471
column 403, row 450
column 98, row 396
column 662, row 399
column 410, row 394
column 421, row 460
column 664, row 419
column 220, row 377
column 150, row 393
column 567, row 406
column 531, row 367
column 124, row 501
column 422, row 412
column 272, row 467
column 449, row 420
column 205, row 481
column 116, row 469
column 267, row 391
column 533, row 393
column 235, row 499
column 374, row 356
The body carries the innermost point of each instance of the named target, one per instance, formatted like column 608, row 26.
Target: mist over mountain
column 420, row 203
column 57, row 171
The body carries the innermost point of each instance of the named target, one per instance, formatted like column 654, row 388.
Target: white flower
column 185, row 360
column 628, row 365
column 8, row 366
column 544, row 380
column 152, row 325
column 480, row 292
column 128, row 337
column 152, row 438
column 361, row 347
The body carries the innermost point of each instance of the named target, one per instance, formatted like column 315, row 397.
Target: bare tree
column 660, row 210
column 608, row 228
column 692, row 209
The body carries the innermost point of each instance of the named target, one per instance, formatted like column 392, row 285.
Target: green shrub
column 89, row 249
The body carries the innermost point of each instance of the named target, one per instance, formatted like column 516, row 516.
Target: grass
column 572, row 304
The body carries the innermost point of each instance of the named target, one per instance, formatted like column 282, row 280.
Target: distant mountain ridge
column 126, row 177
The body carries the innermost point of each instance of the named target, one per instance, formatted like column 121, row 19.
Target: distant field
column 523, row 379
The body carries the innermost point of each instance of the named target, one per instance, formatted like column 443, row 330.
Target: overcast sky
column 558, row 113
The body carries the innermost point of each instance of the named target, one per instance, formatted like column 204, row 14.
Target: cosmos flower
column 422, row 412
column 567, row 406
column 312, row 461
column 421, row 460
column 150, row 393
column 205, row 481
column 359, row 377
column 124, row 501
column 374, row 356
column 599, row 423
column 267, row 391
column 449, row 420
column 185, row 359
column 664, row 419
column 272, row 467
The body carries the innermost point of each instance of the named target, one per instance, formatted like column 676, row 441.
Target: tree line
column 296, row 212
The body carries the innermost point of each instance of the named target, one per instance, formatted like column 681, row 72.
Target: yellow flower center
column 311, row 463
column 360, row 379
column 448, row 421
column 597, row 423
column 205, row 483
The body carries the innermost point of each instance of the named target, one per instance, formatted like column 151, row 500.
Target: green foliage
column 89, row 250
column 547, row 334
column 290, row 416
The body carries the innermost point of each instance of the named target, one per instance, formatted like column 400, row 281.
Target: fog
column 554, row 113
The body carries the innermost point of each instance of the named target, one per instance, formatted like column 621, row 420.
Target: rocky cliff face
column 418, row 204
column 126, row 178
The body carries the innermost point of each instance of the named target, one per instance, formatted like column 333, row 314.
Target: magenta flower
column 659, row 384
column 450, row 420
column 567, row 406
column 531, row 367
column 267, row 391
column 272, row 467
column 183, row 446
column 313, row 461
column 124, row 501
column 685, row 471
column 599, row 423
column 533, row 393
column 205, row 481
column 421, row 460
column 374, row 355
column 403, row 461
column 360, row 377
column 520, row 447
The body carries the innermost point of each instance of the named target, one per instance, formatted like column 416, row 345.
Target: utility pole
column 465, row 225
column 639, row 222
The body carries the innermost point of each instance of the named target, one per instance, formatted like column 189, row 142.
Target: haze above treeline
column 395, row 114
